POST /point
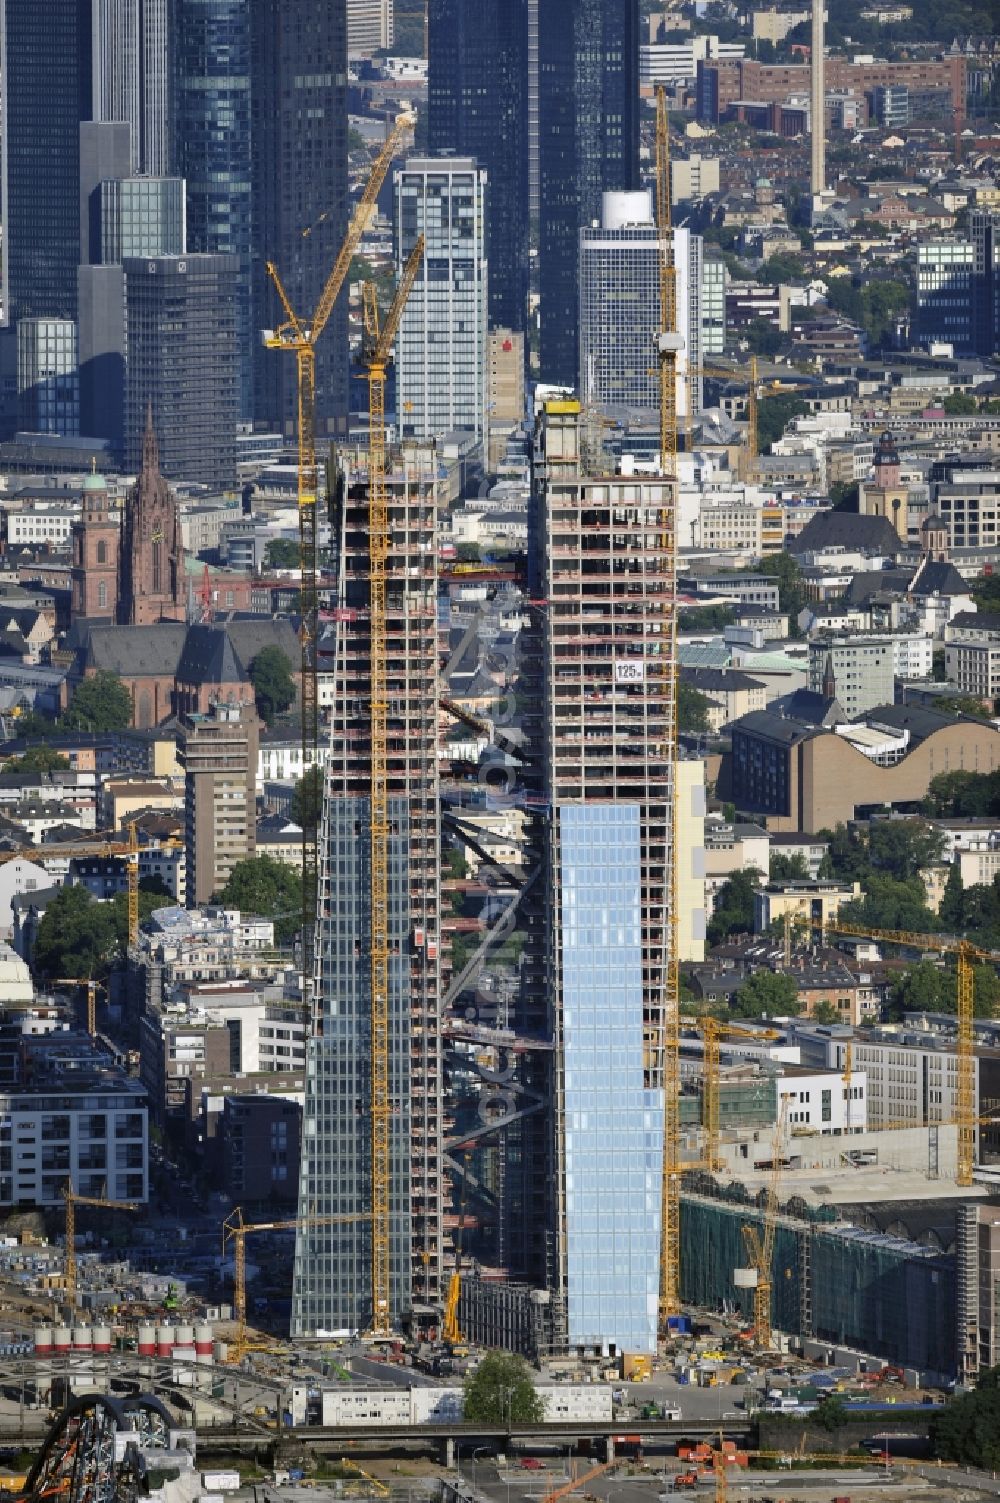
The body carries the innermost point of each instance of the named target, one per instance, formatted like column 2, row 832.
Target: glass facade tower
column 213, row 146
column 478, row 107
column 441, row 351
column 588, row 124
column 612, row 1122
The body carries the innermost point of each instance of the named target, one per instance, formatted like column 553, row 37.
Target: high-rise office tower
column 298, row 72
column 441, row 349
column 219, row 756
column 608, row 784
column 477, row 107
column 46, row 87
column 588, row 119
column 212, row 134
column 180, row 318
column 620, row 307
column 369, row 26
column 332, row 1287
column 131, row 76
column 984, row 232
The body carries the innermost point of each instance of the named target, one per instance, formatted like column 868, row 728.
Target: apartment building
column 219, row 755
column 972, row 653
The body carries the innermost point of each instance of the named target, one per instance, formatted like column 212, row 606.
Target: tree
column 846, row 856
column 967, row 1429
column 767, row 994
column 952, row 900
column 904, row 847
column 890, row 904
column 734, row 906
column 692, row 708
column 501, row 1392
column 959, row 404
column 706, row 617
column 274, row 687
column 150, row 898
column 791, row 868
column 962, row 793
column 101, row 703
column 844, row 495
column 773, row 416
column 783, row 266
column 763, row 338
column 268, row 888
column 76, row 936
column 307, row 797
column 825, row 1012
column 965, row 704
column 38, row 759
column 283, row 553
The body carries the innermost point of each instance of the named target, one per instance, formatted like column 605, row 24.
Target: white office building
column 441, row 348
column 620, row 308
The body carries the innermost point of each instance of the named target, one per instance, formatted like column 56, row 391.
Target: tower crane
column 577, row 1482
column 74, row 1199
column 378, row 342
column 450, row 1329
column 761, row 1249
column 236, row 1230
column 965, row 1083
column 299, row 337
column 751, row 381
column 91, row 986
column 712, row 1030
column 668, row 345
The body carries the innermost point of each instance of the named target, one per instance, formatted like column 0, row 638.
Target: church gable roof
column 136, row 651
column 251, row 637
column 209, row 658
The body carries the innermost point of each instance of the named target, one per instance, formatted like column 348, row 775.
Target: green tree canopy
column 307, row 797
column 773, row 416
column 501, row 1391
column 767, row 995
column 962, row 793
column 846, row 858
column 791, row 868
column 967, row 1429
column 268, row 888
column 101, row 703
column 927, row 987
column 274, row 687
column 283, row 553
column 692, row 708
column 891, row 904
column 734, row 906
column 904, row 847
column 783, row 266
column 706, row 617
column 38, row 759
column 959, row 404
column 77, row 936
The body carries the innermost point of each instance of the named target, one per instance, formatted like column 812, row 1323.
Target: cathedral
column 132, row 575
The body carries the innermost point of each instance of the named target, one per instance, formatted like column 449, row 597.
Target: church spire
column 150, row 448
column 829, row 681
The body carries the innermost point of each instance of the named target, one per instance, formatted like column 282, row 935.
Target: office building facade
column 588, row 127
column 478, row 87
column 181, row 362
column 298, row 92
column 984, row 232
column 219, row 755
column 131, row 76
column 212, row 151
column 619, row 318
column 944, row 293
column 46, row 84
column 332, row 1288
column 48, row 390
column 441, row 349
column 142, row 216
column 369, row 26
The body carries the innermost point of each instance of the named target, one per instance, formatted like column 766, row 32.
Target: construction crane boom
column 299, row 338
column 965, row 1083
column 73, row 1200
column 236, row 1230
column 751, row 380
column 761, row 1249
column 712, row 1030
column 378, row 345
column 578, row 1482
column 668, row 345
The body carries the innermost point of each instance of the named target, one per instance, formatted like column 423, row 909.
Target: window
column 102, row 553
column 102, row 592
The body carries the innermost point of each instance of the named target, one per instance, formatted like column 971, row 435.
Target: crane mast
column 668, row 345
column 378, row 346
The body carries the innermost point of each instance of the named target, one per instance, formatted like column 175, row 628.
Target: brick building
column 94, row 541
column 722, row 83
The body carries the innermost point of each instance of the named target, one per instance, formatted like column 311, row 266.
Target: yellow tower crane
column 712, row 1031
column 299, row 337
column 377, row 350
column 751, row 380
column 668, row 346
column 73, row 1199
column 965, row 1084
column 761, row 1248
column 236, row 1230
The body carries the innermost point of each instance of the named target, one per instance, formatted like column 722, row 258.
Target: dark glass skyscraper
column 588, row 122
column 46, row 88
column 478, row 107
column 212, row 116
column 298, row 69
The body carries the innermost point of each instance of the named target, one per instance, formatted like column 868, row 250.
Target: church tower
column 152, row 553
column 94, row 572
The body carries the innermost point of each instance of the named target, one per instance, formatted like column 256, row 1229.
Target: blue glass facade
column 613, row 1124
